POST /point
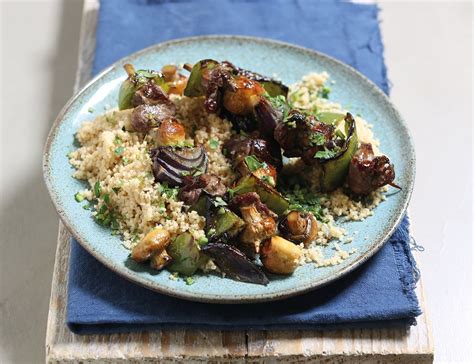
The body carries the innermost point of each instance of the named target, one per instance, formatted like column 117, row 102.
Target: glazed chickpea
column 161, row 260
column 279, row 255
column 170, row 133
column 243, row 100
column 153, row 243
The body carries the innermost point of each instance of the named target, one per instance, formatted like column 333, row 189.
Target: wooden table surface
column 343, row 346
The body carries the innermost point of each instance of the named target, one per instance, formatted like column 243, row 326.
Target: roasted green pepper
column 335, row 167
column 200, row 205
column 195, row 87
column 332, row 118
column 186, row 255
column 135, row 80
column 269, row 196
column 226, row 222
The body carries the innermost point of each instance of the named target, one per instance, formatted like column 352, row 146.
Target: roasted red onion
column 234, row 263
column 173, row 164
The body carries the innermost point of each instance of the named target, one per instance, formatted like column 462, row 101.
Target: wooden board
column 166, row 346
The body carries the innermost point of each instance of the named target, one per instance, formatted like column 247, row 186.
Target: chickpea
column 170, row 133
column 153, row 243
column 246, row 96
column 159, row 261
column 279, row 255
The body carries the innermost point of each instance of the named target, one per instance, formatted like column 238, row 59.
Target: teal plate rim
column 216, row 298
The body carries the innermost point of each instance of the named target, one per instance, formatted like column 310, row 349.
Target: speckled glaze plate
column 268, row 57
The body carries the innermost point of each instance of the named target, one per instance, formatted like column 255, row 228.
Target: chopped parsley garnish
column 283, row 105
column 117, row 140
column 119, row 150
column 253, row 163
column 203, row 240
column 170, row 192
column 317, row 139
column 218, row 202
column 324, row 92
column 125, row 161
column 326, row 153
column 97, row 189
column 106, row 198
column 198, row 172
column 189, row 280
column 116, row 189
column 78, row 197
column 302, row 199
column 213, row 144
column 268, row 179
column 90, row 110
column 186, row 143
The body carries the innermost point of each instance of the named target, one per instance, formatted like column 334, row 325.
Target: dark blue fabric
column 380, row 293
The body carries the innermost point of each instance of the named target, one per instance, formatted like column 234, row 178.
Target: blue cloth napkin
column 378, row 294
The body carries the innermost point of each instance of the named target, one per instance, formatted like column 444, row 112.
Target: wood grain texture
column 167, row 346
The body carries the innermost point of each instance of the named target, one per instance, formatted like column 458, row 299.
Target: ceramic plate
column 267, row 57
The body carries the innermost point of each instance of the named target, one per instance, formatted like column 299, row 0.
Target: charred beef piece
column 260, row 222
column 152, row 106
column 368, row 172
column 146, row 117
column 240, row 146
column 296, row 136
column 193, row 187
column 152, row 94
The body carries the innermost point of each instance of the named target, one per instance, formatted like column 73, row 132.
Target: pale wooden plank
column 351, row 346
column 389, row 345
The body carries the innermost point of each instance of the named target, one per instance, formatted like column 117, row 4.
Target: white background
column 429, row 58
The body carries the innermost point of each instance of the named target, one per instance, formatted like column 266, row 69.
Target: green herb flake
column 116, row 189
column 325, row 154
column 78, row 197
column 253, row 163
column 203, row 240
column 125, row 161
column 317, row 139
column 102, row 210
column 119, row 150
column 302, row 199
column 117, row 140
column 324, row 93
column 189, row 280
column 268, row 179
column 170, row 192
column 90, row 110
column 97, row 189
column 106, row 198
column 213, row 144
column 219, row 202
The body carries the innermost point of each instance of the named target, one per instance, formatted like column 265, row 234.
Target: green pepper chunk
column 332, row 118
column 186, row 255
column 194, row 87
column 136, row 80
column 225, row 221
column 335, row 169
column 269, row 196
column 200, row 205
